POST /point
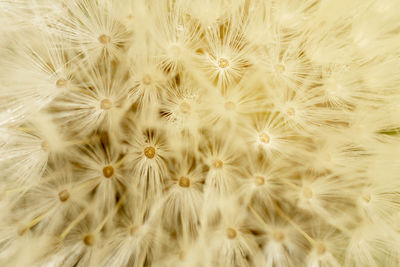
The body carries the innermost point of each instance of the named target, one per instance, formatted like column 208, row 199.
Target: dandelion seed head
column 199, row 133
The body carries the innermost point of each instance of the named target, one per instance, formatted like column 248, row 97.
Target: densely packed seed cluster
column 199, row 133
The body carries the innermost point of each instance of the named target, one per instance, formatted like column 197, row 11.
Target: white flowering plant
column 199, row 133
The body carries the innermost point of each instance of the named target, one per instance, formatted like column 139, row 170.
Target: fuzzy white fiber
column 199, row 133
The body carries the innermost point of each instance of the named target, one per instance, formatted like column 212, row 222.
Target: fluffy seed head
column 199, row 133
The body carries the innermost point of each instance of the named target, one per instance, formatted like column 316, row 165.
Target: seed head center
column 149, row 152
column 321, row 249
column 223, row 63
column 259, row 180
column 63, row 195
column 88, row 240
column 185, row 107
column 146, row 79
column 108, row 171
column 105, row 104
column 61, row 82
column 265, row 138
column 367, row 197
column 184, row 181
column 307, row 193
column 231, row 233
column 45, row 146
column 229, row 105
column 104, row 39
column 175, row 50
column 133, row 230
column 278, row 236
column 217, row 164
column 290, row 111
column 280, row 68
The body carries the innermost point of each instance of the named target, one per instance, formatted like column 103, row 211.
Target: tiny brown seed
column 63, row 195
column 185, row 107
column 61, row 82
column 217, row 164
column 88, row 240
column 307, row 192
column 367, row 197
column 231, row 233
column 229, row 105
column 146, row 79
column 108, row 171
column 321, row 248
column 278, row 236
column 105, row 104
column 259, row 180
column 104, row 39
column 184, row 182
column 223, row 63
column 265, row 138
column 150, row 152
